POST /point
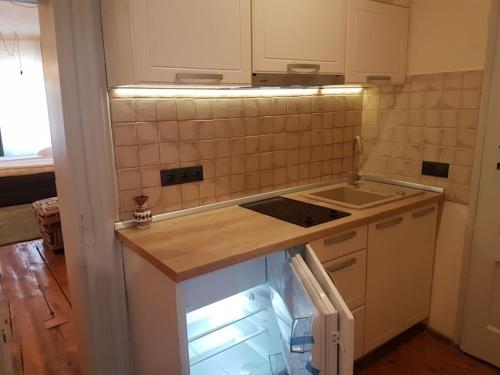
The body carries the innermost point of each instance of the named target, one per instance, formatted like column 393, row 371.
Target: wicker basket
column 46, row 212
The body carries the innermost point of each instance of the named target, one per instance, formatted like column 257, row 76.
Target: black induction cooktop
column 296, row 212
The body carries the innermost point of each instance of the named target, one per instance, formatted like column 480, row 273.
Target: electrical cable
column 15, row 44
column 19, row 56
column 22, row 5
column 16, row 40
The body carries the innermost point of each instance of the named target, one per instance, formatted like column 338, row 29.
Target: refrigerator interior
column 265, row 330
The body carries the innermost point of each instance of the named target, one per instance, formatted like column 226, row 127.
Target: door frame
column 74, row 72
column 490, row 69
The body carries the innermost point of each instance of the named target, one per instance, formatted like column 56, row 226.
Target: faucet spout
column 357, row 150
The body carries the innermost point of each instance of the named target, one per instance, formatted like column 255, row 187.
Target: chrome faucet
column 357, row 148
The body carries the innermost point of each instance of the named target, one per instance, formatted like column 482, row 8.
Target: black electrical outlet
column 433, row 168
column 178, row 176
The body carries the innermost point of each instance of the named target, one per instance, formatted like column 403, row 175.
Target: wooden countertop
column 189, row 246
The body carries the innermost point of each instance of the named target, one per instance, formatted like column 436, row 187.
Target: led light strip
column 240, row 92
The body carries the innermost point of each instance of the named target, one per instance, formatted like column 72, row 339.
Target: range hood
column 296, row 79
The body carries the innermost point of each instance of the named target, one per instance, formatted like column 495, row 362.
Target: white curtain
column 24, row 122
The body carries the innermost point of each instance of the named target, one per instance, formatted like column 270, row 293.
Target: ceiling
column 21, row 18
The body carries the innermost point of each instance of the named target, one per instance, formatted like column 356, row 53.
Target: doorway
column 26, row 163
column 35, row 303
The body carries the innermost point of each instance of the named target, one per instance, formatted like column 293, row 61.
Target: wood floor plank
column 57, row 266
column 35, row 298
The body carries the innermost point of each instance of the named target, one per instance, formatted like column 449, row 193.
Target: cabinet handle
column 339, row 239
column 197, row 77
column 379, row 78
column 389, row 223
column 313, row 67
column 342, row 265
column 425, row 212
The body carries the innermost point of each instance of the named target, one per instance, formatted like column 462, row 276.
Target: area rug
column 17, row 224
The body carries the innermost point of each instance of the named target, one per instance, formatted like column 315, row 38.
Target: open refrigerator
column 275, row 315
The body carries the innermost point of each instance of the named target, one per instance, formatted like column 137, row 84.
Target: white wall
column 448, row 268
column 73, row 60
column 447, row 35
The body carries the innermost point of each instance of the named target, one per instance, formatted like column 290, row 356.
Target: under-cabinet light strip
column 241, row 92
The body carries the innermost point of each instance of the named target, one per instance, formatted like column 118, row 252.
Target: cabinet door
column 419, row 257
column 192, row 41
column 387, row 241
column 377, row 40
column 299, row 36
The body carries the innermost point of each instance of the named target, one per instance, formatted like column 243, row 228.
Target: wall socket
column 433, row 168
column 178, row 176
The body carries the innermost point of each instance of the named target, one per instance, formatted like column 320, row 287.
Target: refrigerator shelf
column 248, row 358
column 221, row 314
column 222, row 340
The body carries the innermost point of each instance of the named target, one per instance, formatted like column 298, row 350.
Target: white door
column 481, row 324
column 377, row 41
column 192, row 41
column 345, row 317
column 301, row 36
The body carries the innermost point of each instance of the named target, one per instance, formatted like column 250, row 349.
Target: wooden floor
column 35, row 305
column 34, row 299
column 419, row 352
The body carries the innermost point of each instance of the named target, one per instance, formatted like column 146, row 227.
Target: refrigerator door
column 298, row 318
column 324, row 356
column 345, row 339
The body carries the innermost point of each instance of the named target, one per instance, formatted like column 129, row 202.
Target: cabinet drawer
column 340, row 244
column 349, row 275
column 359, row 332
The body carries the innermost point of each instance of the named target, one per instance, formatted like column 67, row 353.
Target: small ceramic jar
column 142, row 215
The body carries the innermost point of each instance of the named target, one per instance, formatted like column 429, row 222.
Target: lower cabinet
column 399, row 263
column 385, row 262
column 417, row 278
column 386, row 285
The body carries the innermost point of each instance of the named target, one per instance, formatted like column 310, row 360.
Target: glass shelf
column 247, row 358
column 223, row 339
column 221, row 314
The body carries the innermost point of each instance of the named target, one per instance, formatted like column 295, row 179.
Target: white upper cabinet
column 300, row 36
column 177, row 41
column 377, row 41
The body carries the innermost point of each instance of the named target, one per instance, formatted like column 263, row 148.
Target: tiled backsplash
column 260, row 144
column 246, row 145
column 433, row 117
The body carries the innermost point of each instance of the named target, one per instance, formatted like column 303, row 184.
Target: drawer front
column 349, row 275
column 340, row 244
column 359, row 332
column 401, row 3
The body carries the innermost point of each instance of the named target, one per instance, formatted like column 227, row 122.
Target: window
column 24, row 123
